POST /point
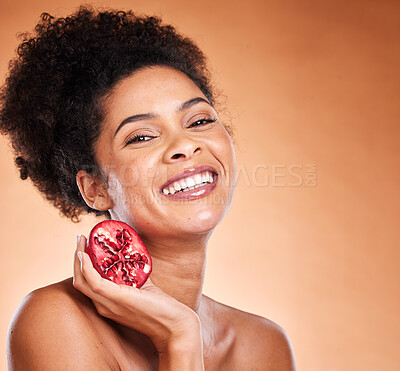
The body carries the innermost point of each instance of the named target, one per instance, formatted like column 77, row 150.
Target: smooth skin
column 89, row 323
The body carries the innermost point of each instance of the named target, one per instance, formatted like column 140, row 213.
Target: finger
column 77, row 262
column 99, row 285
column 99, row 289
column 80, row 281
column 80, row 247
column 108, row 293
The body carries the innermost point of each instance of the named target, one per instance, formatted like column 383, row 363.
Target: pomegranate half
column 118, row 253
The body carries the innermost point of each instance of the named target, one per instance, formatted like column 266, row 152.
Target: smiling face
column 169, row 162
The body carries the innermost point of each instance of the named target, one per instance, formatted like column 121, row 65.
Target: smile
column 194, row 183
column 189, row 183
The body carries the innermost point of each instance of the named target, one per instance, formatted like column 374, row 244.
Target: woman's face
column 161, row 134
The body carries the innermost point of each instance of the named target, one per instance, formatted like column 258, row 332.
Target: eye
column 201, row 122
column 138, row 138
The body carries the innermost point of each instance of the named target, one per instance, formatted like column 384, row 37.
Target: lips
column 202, row 169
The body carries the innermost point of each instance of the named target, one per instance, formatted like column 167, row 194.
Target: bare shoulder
column 258, row 340
column 49, row 327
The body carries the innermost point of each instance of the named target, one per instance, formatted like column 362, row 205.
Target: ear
column 93, row 191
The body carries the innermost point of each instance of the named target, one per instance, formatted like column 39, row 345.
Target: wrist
column 182, row 354
column 175, row 333
column 183, row 350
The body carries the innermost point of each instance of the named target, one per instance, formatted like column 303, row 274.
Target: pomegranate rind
column 118, row 254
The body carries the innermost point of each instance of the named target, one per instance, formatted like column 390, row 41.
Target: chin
column 202, row 222
column 204, row 218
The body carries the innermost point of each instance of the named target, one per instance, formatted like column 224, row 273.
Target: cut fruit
column 118, row 253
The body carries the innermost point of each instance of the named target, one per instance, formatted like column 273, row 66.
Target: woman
column 109, row 113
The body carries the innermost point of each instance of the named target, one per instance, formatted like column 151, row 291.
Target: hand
column 149, row 310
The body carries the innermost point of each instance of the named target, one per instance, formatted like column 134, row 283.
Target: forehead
column 151, row 89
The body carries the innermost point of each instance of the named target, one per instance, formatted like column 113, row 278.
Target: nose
column 182, row 148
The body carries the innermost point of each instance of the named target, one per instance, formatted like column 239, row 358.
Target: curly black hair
column 51, row 100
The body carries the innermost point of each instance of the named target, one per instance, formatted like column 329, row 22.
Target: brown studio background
column 310, row 242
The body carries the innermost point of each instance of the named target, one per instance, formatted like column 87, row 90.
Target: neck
column 179, row 267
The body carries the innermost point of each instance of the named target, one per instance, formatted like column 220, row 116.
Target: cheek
column 134, row 172
column 225, row 153
column 117, row 193
column 132, row 189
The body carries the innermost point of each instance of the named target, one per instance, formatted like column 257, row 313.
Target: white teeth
column 198, row 179
column 182, row 183
column 189, row 183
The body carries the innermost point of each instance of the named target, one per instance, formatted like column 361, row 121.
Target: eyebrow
column 146, row 116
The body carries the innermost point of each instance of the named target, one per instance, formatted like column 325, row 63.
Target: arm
column 46, row 334
column 282, row 357
column 262, row 344
column 172, row 326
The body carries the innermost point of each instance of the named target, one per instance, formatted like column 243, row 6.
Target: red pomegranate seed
column 118, row 253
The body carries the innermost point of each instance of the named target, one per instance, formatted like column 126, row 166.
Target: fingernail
column 80, row 256
column 78, row 238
